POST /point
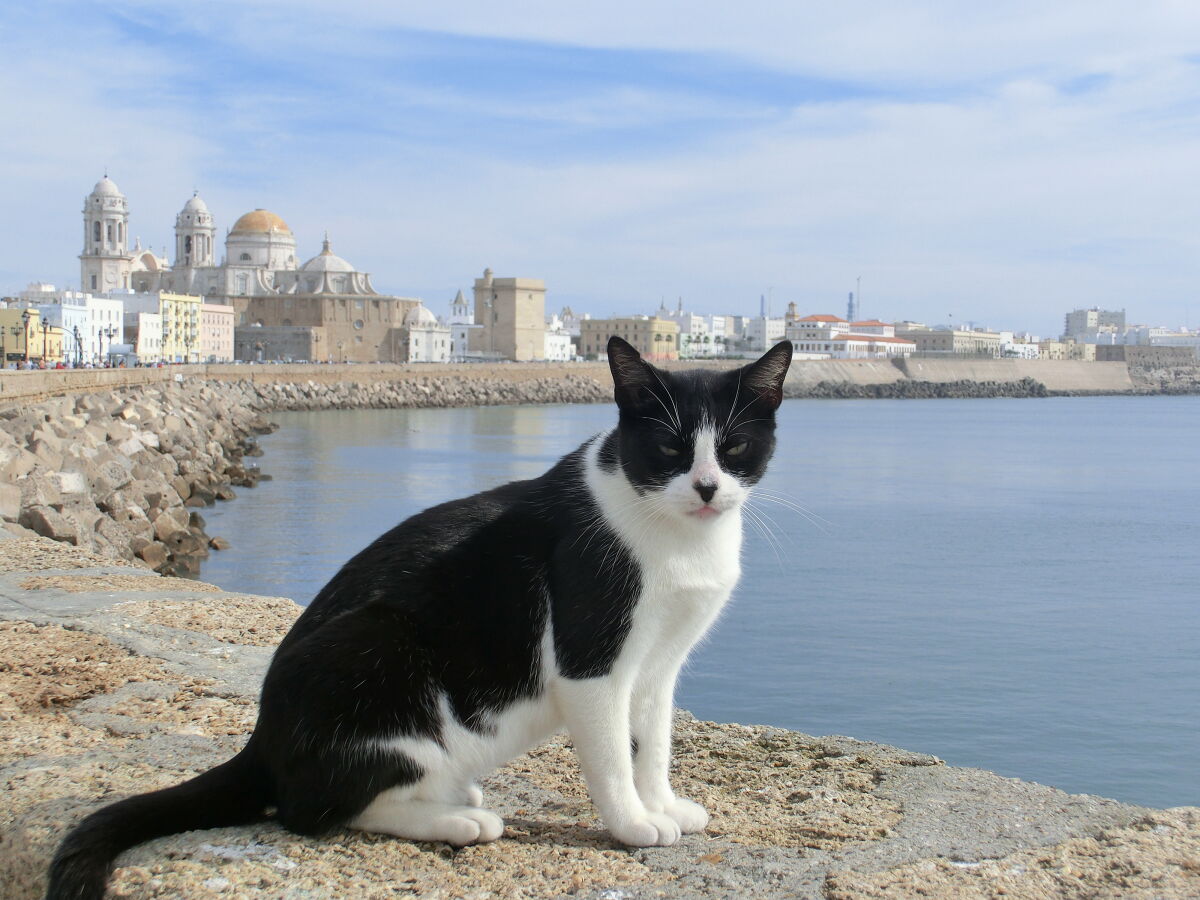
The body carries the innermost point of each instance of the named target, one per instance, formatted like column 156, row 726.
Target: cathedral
column 260, row 276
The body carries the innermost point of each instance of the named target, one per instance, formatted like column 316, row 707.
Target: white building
column 695, row 335
column 90, row 324
column 559, row 347
column 425, row 338
column 763, row 333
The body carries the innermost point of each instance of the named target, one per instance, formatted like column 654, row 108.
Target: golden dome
column 261, row 221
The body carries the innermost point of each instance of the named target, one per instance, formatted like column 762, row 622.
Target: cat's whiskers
column 762, row 528
column 789, row 503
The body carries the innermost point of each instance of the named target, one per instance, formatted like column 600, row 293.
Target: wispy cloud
column 1003, row 165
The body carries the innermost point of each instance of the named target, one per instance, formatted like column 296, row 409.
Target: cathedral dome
column 195, row 204
column 105, row 187
column 420, row 316
column 327, row 261
column 260, row 221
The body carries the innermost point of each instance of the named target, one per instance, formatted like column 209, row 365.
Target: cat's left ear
column 765, row 377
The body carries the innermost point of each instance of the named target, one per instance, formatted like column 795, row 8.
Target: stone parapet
column 115, row 680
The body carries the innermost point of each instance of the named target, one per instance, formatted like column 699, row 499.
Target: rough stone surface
column 109, row 687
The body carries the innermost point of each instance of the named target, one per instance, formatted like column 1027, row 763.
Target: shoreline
column 114, row 680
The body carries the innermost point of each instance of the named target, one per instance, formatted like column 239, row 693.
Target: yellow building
column 25, row 338
column 181, row 326
column 656, row 339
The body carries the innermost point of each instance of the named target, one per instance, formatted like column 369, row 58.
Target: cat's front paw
column 647, row 830
column 690, row 816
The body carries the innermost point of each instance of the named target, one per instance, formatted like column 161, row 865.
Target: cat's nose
column 705, row 489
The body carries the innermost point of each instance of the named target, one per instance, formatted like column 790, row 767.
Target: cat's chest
column 687, row 569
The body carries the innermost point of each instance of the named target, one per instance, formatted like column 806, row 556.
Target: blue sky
column 999, row 165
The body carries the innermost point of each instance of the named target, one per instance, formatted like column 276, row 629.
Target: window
column 95, row 236
column 108, row 231
column 245, row 257
column 94, row 277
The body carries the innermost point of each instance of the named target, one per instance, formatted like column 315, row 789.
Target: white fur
column 689, row 566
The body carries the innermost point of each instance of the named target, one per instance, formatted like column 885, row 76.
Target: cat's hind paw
column 647, row 830
column 691, row 816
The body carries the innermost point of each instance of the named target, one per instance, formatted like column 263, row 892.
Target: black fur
column 452, row 602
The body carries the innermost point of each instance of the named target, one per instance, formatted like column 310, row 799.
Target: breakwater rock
column 114, row 681
column 123, row 473
column 916, row 390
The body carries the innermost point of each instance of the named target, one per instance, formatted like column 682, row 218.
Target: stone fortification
column 114, row 681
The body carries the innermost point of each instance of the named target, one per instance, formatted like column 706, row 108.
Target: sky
column 995, row 164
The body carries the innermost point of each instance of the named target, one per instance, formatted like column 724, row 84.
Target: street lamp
column 109, row 333
column 25, row 317
column 45, row 341
column 78, row 347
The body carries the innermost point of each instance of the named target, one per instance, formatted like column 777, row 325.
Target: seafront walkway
column 115, row 680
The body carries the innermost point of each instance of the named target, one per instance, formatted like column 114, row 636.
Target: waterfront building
column 762, row 333
column 695, row 334
column 89, row 323
column 25, row 337
column 512, row 313
column 559, row 346
column 144, row 336
column 952, row 342
column 654, row 338
column 424, row 338
column 461, row 321
column 179, row 319
column 216, row 333
column 1082, row 323
column 1068, row 349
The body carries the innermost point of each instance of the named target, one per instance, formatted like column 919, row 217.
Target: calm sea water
column 1011, row 584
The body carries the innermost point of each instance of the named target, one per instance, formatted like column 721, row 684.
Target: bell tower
column 195, row 233
column 105, row 263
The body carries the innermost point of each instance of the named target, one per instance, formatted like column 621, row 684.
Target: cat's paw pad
column 691, row 816
column 467, row 825
column 648, row 830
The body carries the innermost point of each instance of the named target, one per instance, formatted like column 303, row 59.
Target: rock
column 218, row 543
column 50, row 523
column 10, row 502
column 155, row 554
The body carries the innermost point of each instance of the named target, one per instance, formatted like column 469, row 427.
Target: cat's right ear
column 630, row 372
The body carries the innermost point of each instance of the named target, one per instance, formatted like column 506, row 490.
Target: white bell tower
column 105, row 263
column 195, row 232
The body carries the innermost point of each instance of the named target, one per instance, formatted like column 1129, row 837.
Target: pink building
column 216, row 332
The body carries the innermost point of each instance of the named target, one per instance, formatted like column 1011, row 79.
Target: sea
column 1010, row 584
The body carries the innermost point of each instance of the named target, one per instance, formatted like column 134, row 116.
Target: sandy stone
column 257, row 621
column 1156, row 857
column 78, row 584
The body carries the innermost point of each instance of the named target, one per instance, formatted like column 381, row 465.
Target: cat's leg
column 653, row 706
column 596, row 711
column 400, row 813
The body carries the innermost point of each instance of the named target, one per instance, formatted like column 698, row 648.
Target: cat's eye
column 737, row 449
column 667, row 451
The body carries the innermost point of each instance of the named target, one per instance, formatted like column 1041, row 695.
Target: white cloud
column 989, row 182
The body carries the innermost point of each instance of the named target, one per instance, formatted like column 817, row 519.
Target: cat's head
column 698, row 440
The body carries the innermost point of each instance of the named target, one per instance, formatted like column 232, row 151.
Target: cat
column 474, row 630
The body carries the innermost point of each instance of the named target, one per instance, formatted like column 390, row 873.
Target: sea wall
column 114, row 681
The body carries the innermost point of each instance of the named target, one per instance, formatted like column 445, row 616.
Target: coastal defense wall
column 1057, row 375
column 809, row 372
column 1074, row 376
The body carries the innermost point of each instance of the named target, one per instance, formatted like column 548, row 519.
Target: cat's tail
column 234, row 793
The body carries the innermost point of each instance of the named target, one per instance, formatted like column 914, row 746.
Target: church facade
column 260, row 275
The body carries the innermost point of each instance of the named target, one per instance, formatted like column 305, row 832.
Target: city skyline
column 627, row 156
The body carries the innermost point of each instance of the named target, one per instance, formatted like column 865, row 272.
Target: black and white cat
column 476, row 629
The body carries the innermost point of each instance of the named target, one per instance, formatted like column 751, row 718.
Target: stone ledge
column 109, row 687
